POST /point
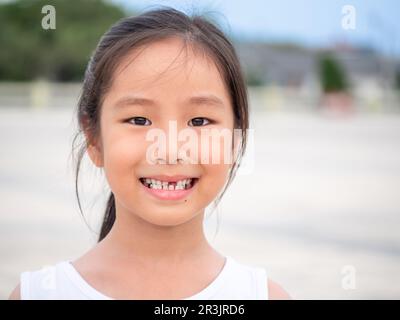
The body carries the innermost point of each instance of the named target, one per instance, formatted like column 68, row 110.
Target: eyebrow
column 203, row 99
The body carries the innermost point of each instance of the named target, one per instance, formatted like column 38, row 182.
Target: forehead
column 168, row 67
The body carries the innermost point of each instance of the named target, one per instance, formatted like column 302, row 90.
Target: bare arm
column 276, row 292
column 15, row 294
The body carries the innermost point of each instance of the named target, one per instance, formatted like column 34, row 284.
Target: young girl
column 148, row 73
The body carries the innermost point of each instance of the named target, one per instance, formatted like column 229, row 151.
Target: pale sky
column 308, row 22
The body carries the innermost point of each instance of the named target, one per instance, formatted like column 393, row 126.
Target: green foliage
column 254, row 78
column 28, row 51
column 332, row 76
column 397, row 79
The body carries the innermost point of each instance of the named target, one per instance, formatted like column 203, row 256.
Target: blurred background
column 319, row 204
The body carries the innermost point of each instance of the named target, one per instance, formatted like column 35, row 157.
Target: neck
column 132, row 238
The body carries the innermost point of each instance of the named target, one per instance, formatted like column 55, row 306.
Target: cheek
column 216, row 147
column 218, row 154
column 213, row 180
column 123, row 150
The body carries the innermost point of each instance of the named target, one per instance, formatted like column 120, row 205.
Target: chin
column 169, row 217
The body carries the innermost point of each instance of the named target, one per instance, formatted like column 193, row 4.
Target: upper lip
column 167, row 178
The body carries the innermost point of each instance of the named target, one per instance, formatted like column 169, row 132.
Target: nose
column 170, row 145
column 172, row 161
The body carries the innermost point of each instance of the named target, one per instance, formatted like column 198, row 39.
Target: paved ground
column 323, row 199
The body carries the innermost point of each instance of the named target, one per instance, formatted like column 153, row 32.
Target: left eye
column 197, row 122
column 140, row 121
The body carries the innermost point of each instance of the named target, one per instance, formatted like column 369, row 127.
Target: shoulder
column 276, row 292
column 35, row 284
column 16, row 293
column 267, row 288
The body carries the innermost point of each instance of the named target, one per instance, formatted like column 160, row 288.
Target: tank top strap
column 261, row 283
column 250, row 281
column 39, row 284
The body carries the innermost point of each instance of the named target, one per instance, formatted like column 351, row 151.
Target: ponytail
column 109, row 217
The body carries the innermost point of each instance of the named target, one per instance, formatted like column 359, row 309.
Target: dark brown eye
column 140, row 121
column 197, row 122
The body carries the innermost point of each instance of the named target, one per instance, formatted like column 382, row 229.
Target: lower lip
column 169, row 194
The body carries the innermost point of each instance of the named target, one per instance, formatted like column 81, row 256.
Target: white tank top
column 63, row 282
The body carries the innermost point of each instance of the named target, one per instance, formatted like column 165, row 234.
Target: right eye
column 140, row 121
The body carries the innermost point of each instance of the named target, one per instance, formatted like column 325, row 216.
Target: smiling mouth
column 184, row 184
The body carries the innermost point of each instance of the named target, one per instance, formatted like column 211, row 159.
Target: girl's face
column 151, row 87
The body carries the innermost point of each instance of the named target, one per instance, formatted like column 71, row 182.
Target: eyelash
column 129, row 120
column 143, row 118
column 209, row 121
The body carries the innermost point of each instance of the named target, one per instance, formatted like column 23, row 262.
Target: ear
column 94, row 148
column 95, row 154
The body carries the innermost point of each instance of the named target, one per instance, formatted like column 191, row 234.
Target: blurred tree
column 397, row 84
column 336, row 96
column 397, row 79
column 29, row 51
column 332, row 76
column 254, row 78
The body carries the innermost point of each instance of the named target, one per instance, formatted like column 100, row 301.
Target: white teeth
column 164, row 185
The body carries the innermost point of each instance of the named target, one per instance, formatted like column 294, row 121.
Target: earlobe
column 93, row 150
column 95, row 155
